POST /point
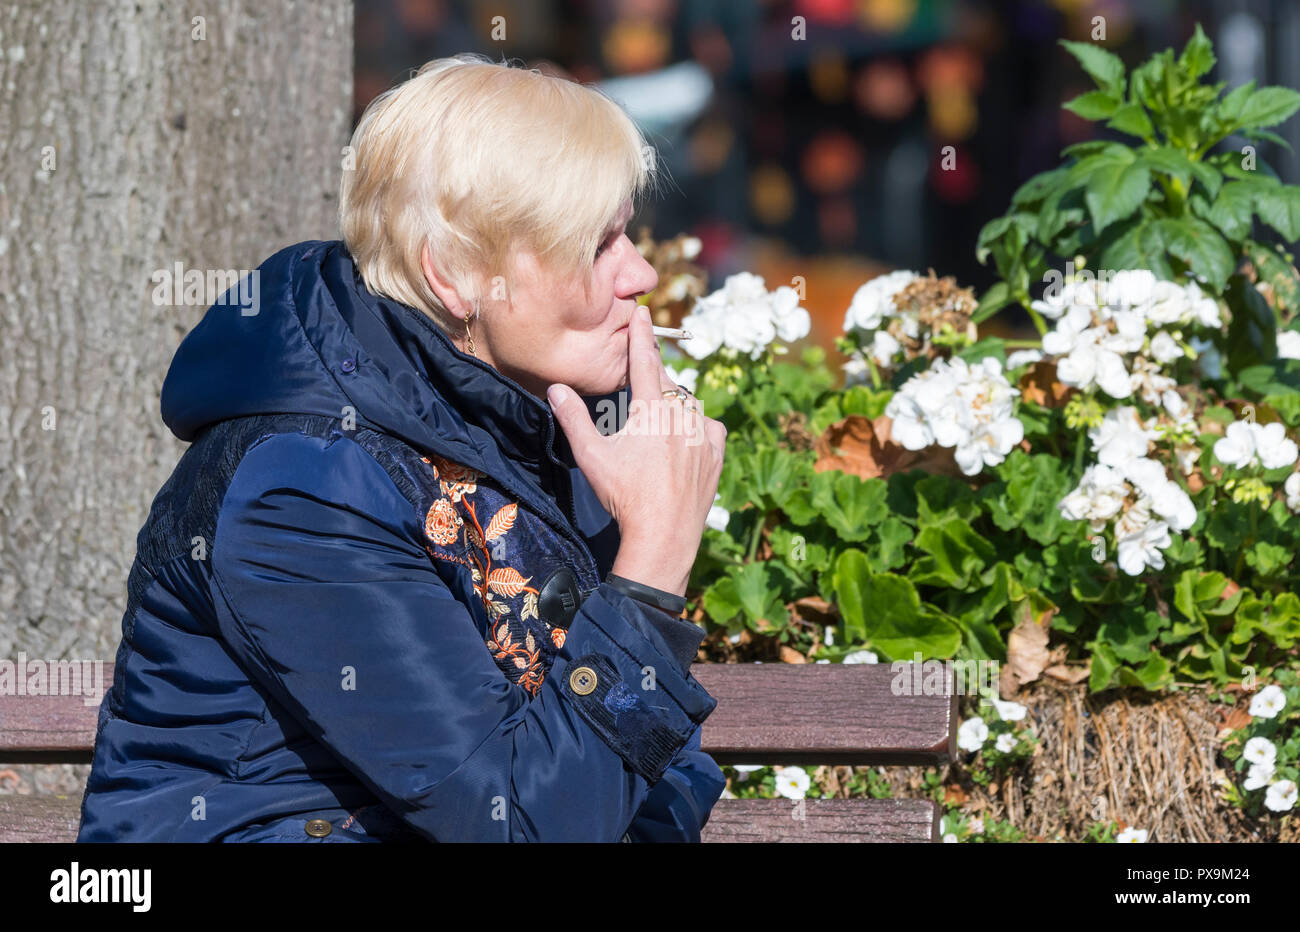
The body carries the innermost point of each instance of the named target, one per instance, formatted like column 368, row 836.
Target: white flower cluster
column 958, row 405
column 1262, row 755
column 1134, row 492
column 744, row 316
column 1101, row 323
column 868, row 316
column 973, row 733
column 1246, row 443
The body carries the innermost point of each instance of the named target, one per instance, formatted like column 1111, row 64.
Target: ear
column 446, row 293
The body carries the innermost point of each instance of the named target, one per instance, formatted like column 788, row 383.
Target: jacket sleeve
column 325, row 594
column 678, row 806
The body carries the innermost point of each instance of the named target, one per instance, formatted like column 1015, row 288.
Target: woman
column 382, row 597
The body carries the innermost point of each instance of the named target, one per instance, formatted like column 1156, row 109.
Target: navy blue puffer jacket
column 369, row 604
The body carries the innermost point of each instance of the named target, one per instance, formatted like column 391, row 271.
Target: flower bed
column 1110, row 507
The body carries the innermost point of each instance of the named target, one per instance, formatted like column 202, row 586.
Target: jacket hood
column 317, row 341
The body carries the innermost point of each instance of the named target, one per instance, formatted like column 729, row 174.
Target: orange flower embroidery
column 441, row 525
column 456, row 480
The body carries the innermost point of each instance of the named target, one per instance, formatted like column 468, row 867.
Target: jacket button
column 582, row 680
column 318, row 828
column 348, row 364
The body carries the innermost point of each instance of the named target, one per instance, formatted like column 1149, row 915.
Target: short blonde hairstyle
column 480, row 159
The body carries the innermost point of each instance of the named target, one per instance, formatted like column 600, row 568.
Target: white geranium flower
column 1023, row 358
column 1246, row 442
column 748, row 328
column 1274, row 449
column 1267, row 702
column 972, row 734
column 1237, row 446
column 1281, row 796
column 1006, row 743
column 744, row 317
column 954, row 404
column 950, row 839
column 691, row 247
column 1202, row 308
column 1292, row 489
column 1090, row 364
column 874, row 301
column 1288, row 344
column 1260, row 751
column 718, row 516
column 883, row 347
column 1131, row 836
column 1167, row 497
column 860, row 656
column 1258, row 776
column 1009, row 711
column 687, row 378
column 1148, row 381
column 1165, row 348
column 1142, row 548
column 1099, row 497
column 791, row 321
column 705, row 324
column 792, row 782
column 1131, row 287
column 1120, row 437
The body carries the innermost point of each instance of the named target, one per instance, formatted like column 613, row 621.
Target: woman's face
column 551, row 332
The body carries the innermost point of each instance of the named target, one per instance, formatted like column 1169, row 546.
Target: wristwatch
column 673, row 604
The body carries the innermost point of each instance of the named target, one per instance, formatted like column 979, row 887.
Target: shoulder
column 307, row 475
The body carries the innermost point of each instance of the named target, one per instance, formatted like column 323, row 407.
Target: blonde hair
column 481, row 159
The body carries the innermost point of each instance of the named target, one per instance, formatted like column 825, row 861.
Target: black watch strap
column 673, row 604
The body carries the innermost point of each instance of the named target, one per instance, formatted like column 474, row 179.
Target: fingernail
column 645, row 313
column 556, row 395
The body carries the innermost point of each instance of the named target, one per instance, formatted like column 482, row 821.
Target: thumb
column 574, row 419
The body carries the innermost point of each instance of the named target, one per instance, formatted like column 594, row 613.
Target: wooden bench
column 769, row 714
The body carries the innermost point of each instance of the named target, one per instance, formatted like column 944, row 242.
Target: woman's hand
column 658, row 475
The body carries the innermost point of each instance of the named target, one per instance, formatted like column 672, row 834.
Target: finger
column 575, row 420
column 643, row 360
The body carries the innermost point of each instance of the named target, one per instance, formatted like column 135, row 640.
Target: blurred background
column 821, row 154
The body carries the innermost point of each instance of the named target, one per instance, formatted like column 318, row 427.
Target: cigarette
column 672, row 334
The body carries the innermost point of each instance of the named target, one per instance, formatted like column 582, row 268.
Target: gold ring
column 679, row 393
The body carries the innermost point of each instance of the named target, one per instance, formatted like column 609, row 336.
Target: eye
column 601, row 248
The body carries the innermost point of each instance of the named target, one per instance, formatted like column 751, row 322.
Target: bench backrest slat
column 766, row 714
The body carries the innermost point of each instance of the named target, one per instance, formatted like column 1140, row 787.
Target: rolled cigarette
column 672, row 334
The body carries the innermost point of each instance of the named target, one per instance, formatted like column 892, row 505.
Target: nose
column 638, row 277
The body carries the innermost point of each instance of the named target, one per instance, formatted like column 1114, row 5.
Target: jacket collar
column 412, row 381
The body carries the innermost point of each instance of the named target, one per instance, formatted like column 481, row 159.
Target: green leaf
column 1268, row 106
column 1280, row 209
column 1104, row 664
column 758, row 591
column 954, row 554
column 1140, row 246
column 888, row 550
column 1094, row 105
column 1027, row 499
column 994, row 300
column 1252, row 332
column 1133, row 120
column 1115, row 191
column 1168, row 160
column 850, row 505
column 1231, row 106
column 1105, row 67
column 1038, row 187
column 1198, row 55
column 1264, row 135
column 885, row 610
column 1200, row 246
column 1232, row 210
